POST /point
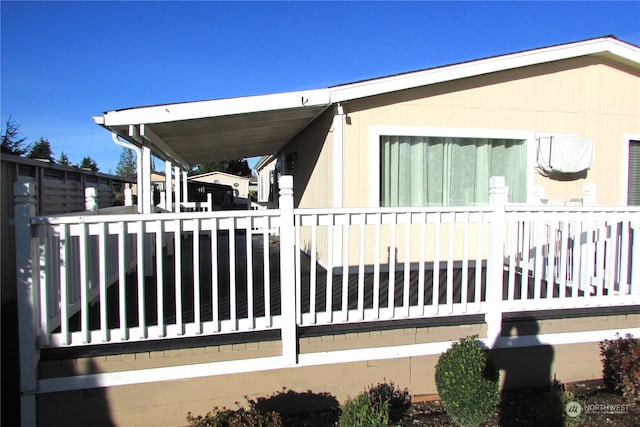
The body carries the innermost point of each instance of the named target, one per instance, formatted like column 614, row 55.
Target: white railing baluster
column 329, row 284
column 611, row 258
column 422, row 219
column 564, row 260
column 465, row 262
column 576, row 251
column 233, row 287
column 298, row 251
column 249, row 264
column 102, row 256
column 122, row 282
column 513, row 227
column 478, row 284
column 162, row 330
column 552, row 235
column 407, row 267
column 623, row 273
column 525, row 258
column 177, row 259
column 266, row 273
column 376, row 266
column 312, row 273
column 64, row 288
column 215, row 316
column 392, row 266
column 142, row 326
column 538, row 261
column 590, row 256
column 197, row 318
column 84, row 285
column 345, row 269
column 436, row 264
column 45, row 291
column 601, row 238
column 450, row 272
column 363, row 225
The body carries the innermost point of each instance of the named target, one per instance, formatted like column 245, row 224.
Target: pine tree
column 11, row 144
column 88, row 163
column 127, row 164
column 64, row 159
column 41, row 149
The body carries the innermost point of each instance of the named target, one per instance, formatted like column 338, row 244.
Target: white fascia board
column 216, row 108
column 484, row 66
column 159, row 144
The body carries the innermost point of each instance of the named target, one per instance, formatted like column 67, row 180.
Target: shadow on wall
column 88, row 407
column 526, row 366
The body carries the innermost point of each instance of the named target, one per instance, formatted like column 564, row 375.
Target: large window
column 448, row 171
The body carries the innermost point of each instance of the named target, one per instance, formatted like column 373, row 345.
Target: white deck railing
column 95, row 279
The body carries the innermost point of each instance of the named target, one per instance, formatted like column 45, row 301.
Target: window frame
column 377, row 131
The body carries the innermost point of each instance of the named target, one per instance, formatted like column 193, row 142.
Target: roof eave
column 627, row 52
column 215, row 108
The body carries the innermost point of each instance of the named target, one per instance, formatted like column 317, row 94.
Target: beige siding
column 313, row 171
column 581, row 96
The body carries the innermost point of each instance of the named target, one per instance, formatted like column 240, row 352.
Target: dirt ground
column 526, row 407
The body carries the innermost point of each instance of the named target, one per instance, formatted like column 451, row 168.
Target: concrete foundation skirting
column 166, row 403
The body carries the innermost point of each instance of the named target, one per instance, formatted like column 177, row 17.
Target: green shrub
column 361, row 412
column 399, row 400
column 241, row 417
column 467, row 383
column 621, row 365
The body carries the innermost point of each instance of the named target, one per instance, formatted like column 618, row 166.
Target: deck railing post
column 27, row 292
column 287, row 272
column 128, row 197
column 495, row 259
column 90, row 199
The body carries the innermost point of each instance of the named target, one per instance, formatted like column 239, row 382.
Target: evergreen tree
column 64, row 159
column 127, row 164
column 11, row 143
column 41, row 149
column 88, row 163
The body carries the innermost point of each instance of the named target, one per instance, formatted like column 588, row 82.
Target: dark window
column 633, row 194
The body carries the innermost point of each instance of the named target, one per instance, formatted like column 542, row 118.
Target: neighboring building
column 267, row 178
column 240, row 184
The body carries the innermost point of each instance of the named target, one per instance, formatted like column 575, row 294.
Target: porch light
column 291, row 161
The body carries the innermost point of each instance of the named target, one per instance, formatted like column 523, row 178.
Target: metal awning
column 225, row 129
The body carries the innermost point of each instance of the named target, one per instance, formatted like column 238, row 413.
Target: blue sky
column 63, row 62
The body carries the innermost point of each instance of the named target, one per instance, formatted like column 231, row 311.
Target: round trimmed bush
column 467, row 383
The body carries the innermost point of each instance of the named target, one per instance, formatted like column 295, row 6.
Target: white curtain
column 445, row 171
